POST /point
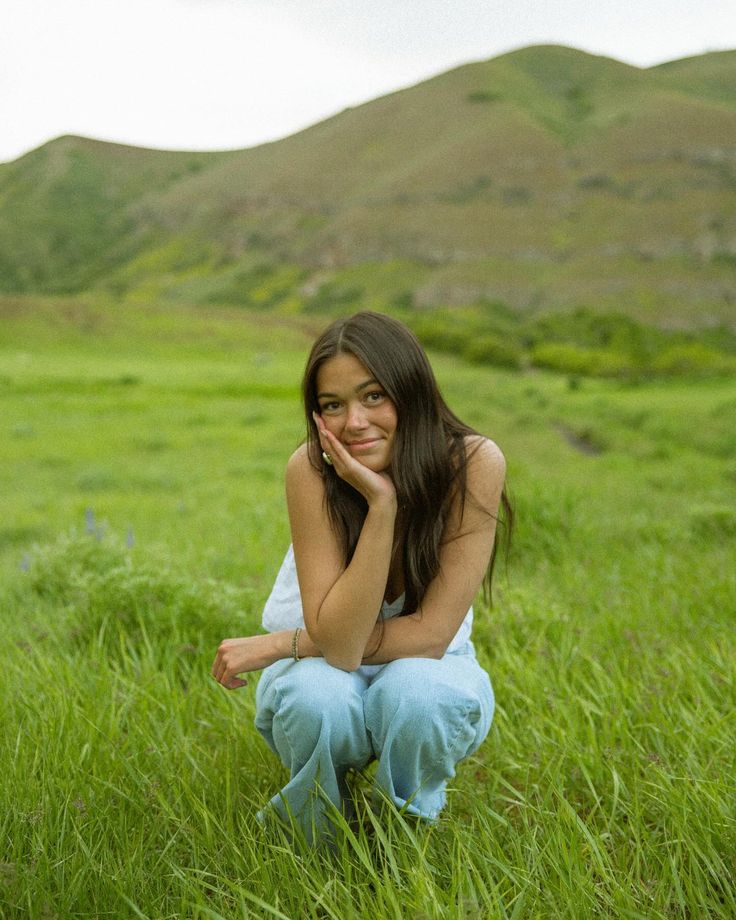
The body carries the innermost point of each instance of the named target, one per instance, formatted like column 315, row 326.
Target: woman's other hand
column 250, row 653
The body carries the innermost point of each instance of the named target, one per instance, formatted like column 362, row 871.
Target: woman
column 392, row 504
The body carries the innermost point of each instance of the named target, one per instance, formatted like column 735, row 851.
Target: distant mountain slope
column 540, row 178
column 708, row 76
column 65, row 209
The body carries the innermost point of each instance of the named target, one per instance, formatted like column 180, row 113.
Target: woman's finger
column 219, row 668
column 329, row 443
column 334, row 447
column 321, row 429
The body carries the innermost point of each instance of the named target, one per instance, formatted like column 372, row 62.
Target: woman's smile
column 364, row 444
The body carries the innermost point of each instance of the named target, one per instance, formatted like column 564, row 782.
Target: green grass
column 129, row 781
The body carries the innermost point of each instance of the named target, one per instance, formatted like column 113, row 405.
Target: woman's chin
column 375, row 464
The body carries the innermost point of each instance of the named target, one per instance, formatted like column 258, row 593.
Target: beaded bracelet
column 295, row 644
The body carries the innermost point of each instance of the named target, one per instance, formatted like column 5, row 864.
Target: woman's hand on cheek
column 371, row 485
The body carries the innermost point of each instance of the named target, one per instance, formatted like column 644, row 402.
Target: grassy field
column 141, row 461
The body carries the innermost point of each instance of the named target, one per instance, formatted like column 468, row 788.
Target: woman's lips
column 367, row 444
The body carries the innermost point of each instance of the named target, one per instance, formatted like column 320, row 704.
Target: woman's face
column 357, row 410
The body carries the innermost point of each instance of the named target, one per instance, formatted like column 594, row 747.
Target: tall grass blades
column 144, row 521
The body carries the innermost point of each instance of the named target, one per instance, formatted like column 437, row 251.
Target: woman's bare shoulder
column 299, row 460
column 316, row 548
column 485, row 454
column 486, row 471
column 300, row 473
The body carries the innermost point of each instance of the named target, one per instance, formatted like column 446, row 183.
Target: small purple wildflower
column 130, row 538
column 89, row 517
column 25, row 563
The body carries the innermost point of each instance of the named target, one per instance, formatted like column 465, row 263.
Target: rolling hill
column 543, row 178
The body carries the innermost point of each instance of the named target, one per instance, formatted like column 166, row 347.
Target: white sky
column 215, row 74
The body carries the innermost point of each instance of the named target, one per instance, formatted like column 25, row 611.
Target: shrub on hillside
column 261, row 286
column 693, row 358
column 491, row 349
column 484, row 333
column 588, row 328
column 334, row 298
column 483, row 95
column 582, row 341
column 435, row 331
column 588, row 362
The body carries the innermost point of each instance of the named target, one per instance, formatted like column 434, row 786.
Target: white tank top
column 283, row 608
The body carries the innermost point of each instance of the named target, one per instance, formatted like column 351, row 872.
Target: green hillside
column 709, row 76
column 546, row 178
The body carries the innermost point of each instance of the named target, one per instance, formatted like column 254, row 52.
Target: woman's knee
column 312, row 681
column 311, row 700
column 428, row 703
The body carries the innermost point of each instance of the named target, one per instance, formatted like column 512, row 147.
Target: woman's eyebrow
column 360, row 386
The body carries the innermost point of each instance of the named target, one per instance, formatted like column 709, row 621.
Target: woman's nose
column 356, row 419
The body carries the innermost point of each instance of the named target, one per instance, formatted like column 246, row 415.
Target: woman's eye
column 374, row 396
column 329, row 407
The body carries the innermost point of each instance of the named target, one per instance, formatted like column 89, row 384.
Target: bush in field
column 589, row 329
column 692, row 358
column 490, row 349
column 483, row 334
column 441, row 333
column 580, row 342
column 588, row 343
column 589, row 362
column 111, row 598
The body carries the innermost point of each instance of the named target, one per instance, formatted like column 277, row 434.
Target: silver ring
column 327, row 458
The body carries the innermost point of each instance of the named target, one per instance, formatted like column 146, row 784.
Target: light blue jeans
column 417, row 716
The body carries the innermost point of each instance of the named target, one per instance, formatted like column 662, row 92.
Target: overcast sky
column 217, row 74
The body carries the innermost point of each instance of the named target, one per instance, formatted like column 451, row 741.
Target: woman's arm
column 464, row 557
column 341, row 604
column 466, row 551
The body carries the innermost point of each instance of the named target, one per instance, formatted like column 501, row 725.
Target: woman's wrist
column 282, row 643
column 383, row 503
column 284, row 639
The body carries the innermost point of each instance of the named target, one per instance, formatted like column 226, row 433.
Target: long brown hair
column 429, row 460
